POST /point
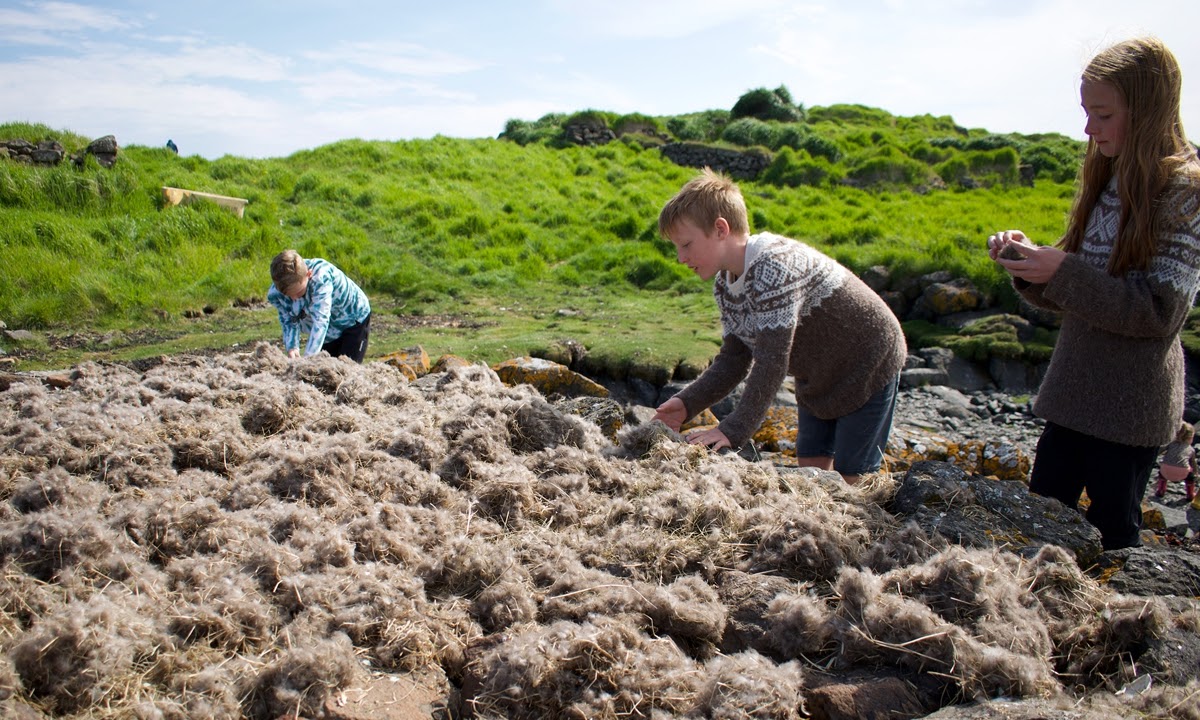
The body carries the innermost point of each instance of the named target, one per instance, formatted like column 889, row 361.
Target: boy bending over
column 785, row 309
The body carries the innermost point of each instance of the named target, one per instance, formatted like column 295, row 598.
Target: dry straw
column 243, row 534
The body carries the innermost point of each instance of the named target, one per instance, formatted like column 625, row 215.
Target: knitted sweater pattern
column 798, row 312
column 784, row 283
column 1117, row 370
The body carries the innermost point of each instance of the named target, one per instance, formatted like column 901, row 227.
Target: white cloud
column 60, row 17
column 397, row 59
column 665, row 19
column 265, row 89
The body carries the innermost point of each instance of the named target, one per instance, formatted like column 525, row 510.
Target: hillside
column 493, row 247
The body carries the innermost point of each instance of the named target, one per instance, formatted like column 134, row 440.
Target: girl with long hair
column 1124, row 276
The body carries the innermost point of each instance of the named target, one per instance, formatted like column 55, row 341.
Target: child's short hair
column 287, row 270
column 1185, row 433
column 702, row 200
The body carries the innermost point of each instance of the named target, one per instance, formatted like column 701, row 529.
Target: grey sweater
column 796, row 311
column 1117, row 369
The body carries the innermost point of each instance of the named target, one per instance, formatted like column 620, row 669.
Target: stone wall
column 50, row 152
column 742, row 165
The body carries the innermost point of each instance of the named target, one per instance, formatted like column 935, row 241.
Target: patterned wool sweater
column 1117, row 369
column 796, row 311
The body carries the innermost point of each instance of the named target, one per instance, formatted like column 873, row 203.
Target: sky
column 267, row 78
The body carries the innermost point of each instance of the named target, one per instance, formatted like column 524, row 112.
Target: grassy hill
column 494, row 247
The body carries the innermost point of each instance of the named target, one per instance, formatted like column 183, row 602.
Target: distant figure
column 315, row 297
column 786, row 308
column 1178, row 463
column 173, row 147
column 1124, row 277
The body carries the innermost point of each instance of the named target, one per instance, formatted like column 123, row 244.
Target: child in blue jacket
column 315, row 297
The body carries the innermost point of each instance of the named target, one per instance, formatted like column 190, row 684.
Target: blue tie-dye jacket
column 331, row 303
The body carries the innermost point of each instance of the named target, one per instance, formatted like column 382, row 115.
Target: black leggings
column 352, row 343
column 1114, row 475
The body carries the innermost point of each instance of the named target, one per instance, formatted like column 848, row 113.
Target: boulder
column 1158, row 570
column 448, row 362
column 976, row 511
column 605, row 413
column 550, row 378
column 414, row 359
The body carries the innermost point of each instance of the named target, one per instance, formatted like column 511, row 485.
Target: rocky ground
column 984, row 415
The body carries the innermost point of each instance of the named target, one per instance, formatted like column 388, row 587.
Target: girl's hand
column 672, row 413
column 1032, row 263
column 998, row 243
column 294, row 353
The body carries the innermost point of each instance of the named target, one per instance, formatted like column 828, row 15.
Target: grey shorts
column 854, row 441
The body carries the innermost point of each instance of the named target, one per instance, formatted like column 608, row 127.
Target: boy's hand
column 672, row 413
column 713, row 438
column 294, row 353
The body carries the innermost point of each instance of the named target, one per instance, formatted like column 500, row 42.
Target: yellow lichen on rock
column 548, row 377
column 449, row 362
column 413, row 358
column 778, row 430
column 704, row 420
column 993, row 458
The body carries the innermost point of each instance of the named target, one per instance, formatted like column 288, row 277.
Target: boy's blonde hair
column 287, row 270
column 702, row 200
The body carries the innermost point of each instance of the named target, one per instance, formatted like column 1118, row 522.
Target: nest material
column 238, row 534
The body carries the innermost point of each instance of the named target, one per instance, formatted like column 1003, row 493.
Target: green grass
column 450, row 227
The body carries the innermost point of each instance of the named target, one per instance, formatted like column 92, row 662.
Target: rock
column 106, row 145
column 1158, row 570
column 947, row 298
column 404, row 696
column 877, row 277
column 704, row 419
column 741, row 165
column 548, row 377
column 413, row 358
column 48, row 152
column 778, row 430
column 975, row 511
column 19, row 335
column 1175, row 657
column 448, row 362
column 866, row 698
column 565, row 352
column 1035, row 709
column 605, row 413
column 639, row 414
column 748, row 595
column 1015, row 375
column 922, row 377
column 1002, row 459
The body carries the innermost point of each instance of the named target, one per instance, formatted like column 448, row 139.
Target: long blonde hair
column 1148, row 79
